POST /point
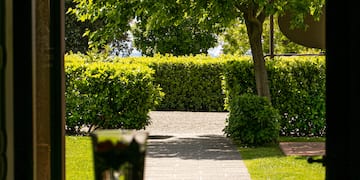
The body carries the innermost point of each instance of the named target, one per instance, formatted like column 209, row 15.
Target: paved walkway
column 191, row 146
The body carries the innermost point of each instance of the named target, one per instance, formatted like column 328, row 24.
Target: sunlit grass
column 269, row 163
column 78, row 158
column 302, row 139
column 263, row 163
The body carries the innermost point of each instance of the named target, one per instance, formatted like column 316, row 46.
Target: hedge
column 252, row 120
column 203, row 83
column 190, row 83
column 297, row 86
column 191, row 86
column 109, row 95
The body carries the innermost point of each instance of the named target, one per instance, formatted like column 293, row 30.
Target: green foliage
column 209, row 15
column 190, row 83
column 178, row 38
column 110, row 17
column 182, row 39
column 80, row 33
column 217, row 15
column 300, row 83
column 74, row 30
column 238, row 78
column 297, row 89
column 109, row 95
column 236, row 41
column 252, row 120
column 203, row 83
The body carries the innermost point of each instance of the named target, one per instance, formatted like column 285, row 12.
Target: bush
column 109, row 95
column 238, row 78
column 203, row 83
column 297, row 86
column 190, row 83
column 298, row 92
column 252, row 120
column 190, row 86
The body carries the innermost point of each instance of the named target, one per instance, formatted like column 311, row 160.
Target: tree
column 252, row 13
column 210, row 14
column 183, row 39
column 74, row 30
column 175, row 37
column 86, row 30
column 236, row 41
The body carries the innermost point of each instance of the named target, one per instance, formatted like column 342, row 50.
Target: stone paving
column 191, row 146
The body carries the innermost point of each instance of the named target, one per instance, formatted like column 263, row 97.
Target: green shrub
column 190, row 86
column 109, row 95
column 297, row 86
column 190, row 83
column 238, row 78
column 203, row 83
column 298, row 92
column 252, row 120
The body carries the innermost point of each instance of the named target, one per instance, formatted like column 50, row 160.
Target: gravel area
column 175, row 122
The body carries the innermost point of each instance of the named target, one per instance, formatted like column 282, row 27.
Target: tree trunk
column 254, row 27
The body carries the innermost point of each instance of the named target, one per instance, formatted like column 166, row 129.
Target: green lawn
column 269, row 163
column 78, row 158
column 263, row 163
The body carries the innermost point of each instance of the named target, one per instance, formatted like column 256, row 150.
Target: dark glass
column 119, row 154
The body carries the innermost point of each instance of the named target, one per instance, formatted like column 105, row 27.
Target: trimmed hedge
column 252, row 120
column 190, row 83
column 298, row 90
column 109, row 95
column 297, row 86
column 203, row 83
column 191, row 86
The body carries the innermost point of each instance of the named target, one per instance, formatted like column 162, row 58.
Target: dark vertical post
column 23, row 94
column 57, row 84
column 342, row 90
column 271, row 37
column 3, row 143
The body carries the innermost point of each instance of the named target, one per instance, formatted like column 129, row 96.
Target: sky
column 213, row 52
column 216, row 51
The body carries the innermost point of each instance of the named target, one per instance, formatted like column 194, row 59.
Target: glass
column 119, row 154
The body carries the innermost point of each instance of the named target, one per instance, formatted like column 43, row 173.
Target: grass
column 269, row 163
column 302, row 139
column 78, row 158
column 263, row 163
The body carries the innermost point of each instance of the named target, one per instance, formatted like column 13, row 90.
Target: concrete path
column 191, row 146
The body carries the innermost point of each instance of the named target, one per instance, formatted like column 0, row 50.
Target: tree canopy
column 214, row 15
column 182, row 39
column 236, row 41
column 74, row 30
column 79, row 36
column 122, row 17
